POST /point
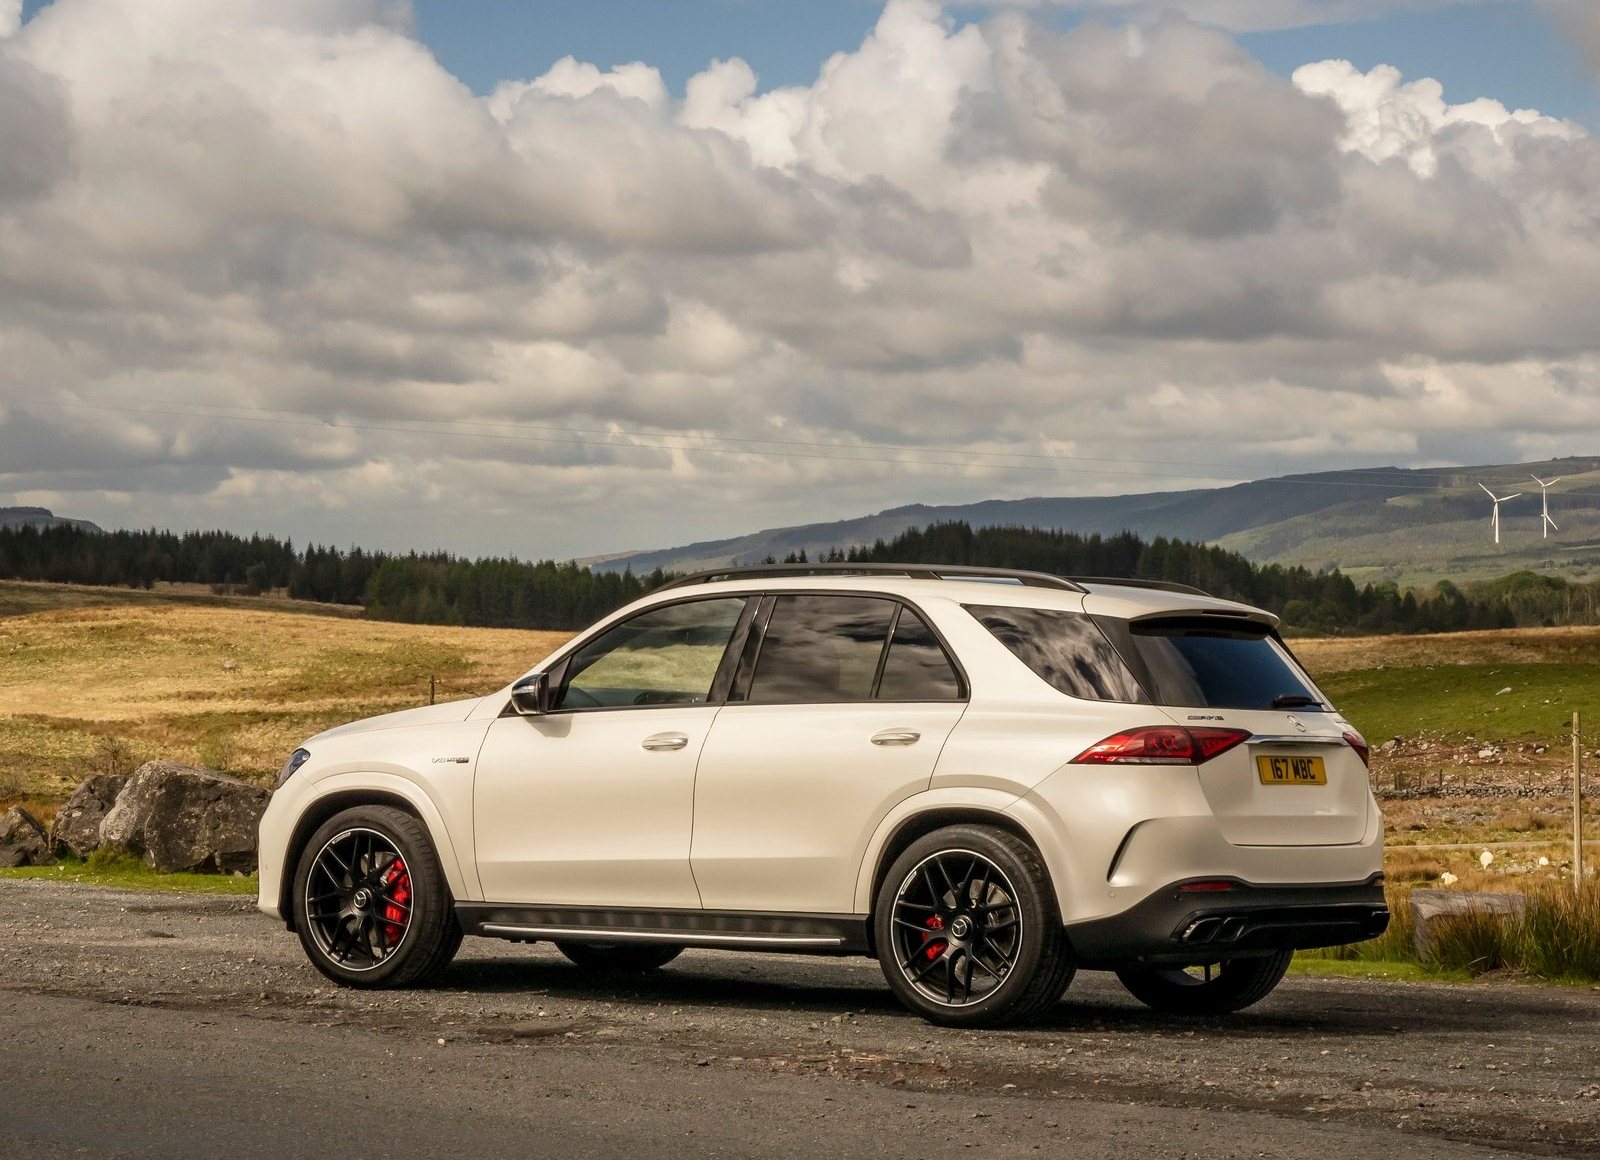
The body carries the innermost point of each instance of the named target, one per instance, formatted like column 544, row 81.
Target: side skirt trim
column 578, row 932
column 842, row 934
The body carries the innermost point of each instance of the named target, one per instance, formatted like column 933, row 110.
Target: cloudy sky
column 562, row 279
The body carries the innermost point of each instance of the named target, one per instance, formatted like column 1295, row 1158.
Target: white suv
column 988, row 779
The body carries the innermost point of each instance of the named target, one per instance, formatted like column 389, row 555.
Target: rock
column 1485, row 753
column 1430, row 908
column 23, row 841
column 1390, row 745
column 1503, row 691
column 76, row 830
column 181, row 817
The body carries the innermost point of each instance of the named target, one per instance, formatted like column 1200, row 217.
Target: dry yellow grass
column 223, row 682
column 1325, row 655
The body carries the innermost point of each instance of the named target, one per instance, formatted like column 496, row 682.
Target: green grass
column 1557, row 940
column 1454, row 700
column 106, row 869
column 1308, row 963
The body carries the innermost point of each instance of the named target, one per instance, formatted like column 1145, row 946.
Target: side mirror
column 530, row 696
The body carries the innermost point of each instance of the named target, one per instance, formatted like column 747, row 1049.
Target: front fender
column 286, row 811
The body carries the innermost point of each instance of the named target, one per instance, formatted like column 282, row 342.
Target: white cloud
column 267, row 264
column 10, row 16
column 1580, row 19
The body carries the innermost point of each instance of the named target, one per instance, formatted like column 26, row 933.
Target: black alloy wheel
column 1209, row 989
column 968, row 932
column 370, row 902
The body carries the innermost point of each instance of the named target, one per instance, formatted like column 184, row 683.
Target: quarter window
column 1065, row 649
column 666, row 656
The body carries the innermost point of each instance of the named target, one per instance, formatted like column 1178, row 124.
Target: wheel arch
column 925, row 814
column 337, row 800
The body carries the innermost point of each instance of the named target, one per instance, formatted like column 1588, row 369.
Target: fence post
column 430, row 690
column 1577, row 801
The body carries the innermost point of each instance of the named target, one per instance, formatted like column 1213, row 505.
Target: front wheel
column 968, row 931
column 1213, row 989
column 620, row 958
column 370, row 901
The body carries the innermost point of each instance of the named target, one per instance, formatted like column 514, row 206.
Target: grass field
column 93, row 679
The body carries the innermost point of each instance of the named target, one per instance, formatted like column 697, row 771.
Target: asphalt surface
column 181, row 1026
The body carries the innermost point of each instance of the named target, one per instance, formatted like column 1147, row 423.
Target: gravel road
column 135, row 1024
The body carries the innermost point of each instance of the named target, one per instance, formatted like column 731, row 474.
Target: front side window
column 1065, row 649
column 666, row 656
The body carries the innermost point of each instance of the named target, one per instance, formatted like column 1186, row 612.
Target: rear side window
column 1212, row 663
column 1066, row 649
column 917, row 668
column 821, row 649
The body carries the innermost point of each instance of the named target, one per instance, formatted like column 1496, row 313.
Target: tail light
column 1162, row 745
column 1359, row 743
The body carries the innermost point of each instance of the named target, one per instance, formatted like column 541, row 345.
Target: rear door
column 1297, row 782
column 839, row 712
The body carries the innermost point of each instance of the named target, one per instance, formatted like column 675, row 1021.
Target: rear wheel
column 621, row 958
column 1213, row 989
column 370, row 901
column 968, row 931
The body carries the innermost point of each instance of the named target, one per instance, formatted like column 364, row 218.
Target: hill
column 38, row 517
column 95, row 677
column 1413, row 526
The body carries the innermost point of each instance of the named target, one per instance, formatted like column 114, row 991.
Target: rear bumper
column 1174, row 925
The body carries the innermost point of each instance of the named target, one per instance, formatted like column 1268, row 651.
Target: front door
column 592, row 803
column 848, row 704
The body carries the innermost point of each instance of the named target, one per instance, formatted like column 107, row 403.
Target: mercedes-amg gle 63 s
column 987, row 779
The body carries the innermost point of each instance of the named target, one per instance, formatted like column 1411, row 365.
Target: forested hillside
column 439, row 588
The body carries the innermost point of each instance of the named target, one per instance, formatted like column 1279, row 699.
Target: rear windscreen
column 1210, row 663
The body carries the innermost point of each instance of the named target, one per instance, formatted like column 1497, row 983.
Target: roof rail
column 911, row 571
column 1128, row 582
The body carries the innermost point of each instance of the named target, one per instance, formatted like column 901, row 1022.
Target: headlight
column 296, row 759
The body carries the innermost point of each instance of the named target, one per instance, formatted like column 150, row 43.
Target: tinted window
column 1207, row 663
column 821, row 649
column 1064, row 648
column 917, row 668
column 664, row 656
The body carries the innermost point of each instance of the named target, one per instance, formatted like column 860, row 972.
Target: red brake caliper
column 397, row 889
column 933, row 947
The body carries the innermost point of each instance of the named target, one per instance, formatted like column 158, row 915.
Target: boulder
column 182, row 817
column 1430, row 908
column 23, row 841
column 76, row 829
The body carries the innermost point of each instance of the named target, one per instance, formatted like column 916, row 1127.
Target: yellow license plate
column 1292, row 771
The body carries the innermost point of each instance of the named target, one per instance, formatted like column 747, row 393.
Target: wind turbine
column 1544, row 501
column 1498, row 500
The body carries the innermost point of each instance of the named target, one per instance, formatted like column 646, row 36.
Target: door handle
column 896, row 737
column 658, row 742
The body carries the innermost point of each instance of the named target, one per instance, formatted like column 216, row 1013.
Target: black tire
column 1012, row 929
column 619, row 958
column 405, row 932
column 1228, row 986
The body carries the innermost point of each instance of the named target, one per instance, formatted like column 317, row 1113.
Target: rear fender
column 975, row 804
